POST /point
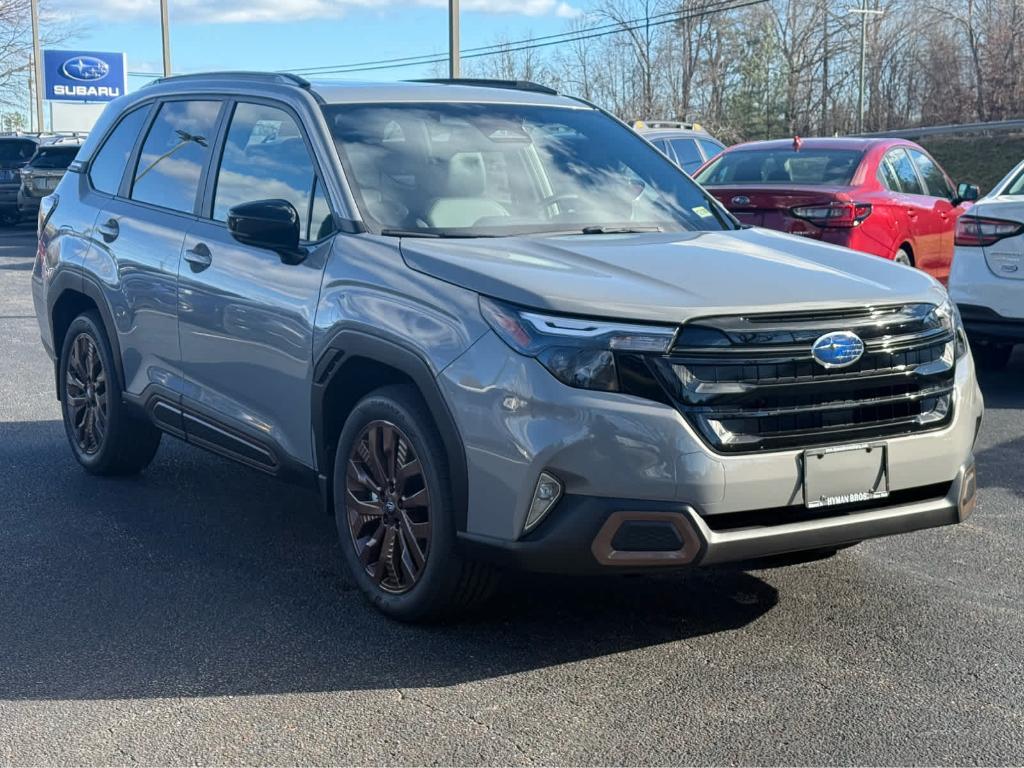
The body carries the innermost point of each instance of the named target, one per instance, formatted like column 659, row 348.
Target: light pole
column 165, row 34
column 864, row 12
column 37, row 66
column 454, row 64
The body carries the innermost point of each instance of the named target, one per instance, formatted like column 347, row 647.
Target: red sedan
column 887, row 197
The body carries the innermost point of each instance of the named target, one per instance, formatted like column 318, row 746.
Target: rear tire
column 395, row 512
column 992, row 357
column 105, row 437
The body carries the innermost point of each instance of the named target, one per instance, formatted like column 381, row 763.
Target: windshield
column 806, row 166
column 54, row 158
column 16, row 151
column 465, row 170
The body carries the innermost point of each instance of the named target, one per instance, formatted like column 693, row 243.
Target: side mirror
column 270, row 224
column 966, row 193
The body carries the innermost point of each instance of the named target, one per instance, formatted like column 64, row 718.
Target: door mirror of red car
column 966, row 193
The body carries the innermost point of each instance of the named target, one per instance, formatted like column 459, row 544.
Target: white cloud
column 232, row 12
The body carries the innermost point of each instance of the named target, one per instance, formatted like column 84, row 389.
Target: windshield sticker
column 701, row 211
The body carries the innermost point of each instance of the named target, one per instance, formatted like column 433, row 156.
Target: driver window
column 265, row 157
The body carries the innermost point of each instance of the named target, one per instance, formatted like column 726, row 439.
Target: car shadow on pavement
column 200, row 578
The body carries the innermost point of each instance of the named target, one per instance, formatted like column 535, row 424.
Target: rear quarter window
column 107, row 167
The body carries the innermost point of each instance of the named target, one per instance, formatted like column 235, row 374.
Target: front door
column 245, row 316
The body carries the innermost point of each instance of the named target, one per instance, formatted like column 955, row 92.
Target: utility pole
column 165, row 33
column 864, row 12
column 454, row 65
column 37, row 66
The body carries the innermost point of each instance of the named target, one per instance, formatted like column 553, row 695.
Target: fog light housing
column 968, row 493
column 546, row 494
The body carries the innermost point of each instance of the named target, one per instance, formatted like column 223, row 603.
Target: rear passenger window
column 265, row 157
column 175, row 153
column 934, row 178
column 689, row 156
column 905, row 173
column 710, row 148
column 887, row 176
column 107, row 168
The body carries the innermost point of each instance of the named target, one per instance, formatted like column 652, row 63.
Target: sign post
column 84, row 76
column 37, row 65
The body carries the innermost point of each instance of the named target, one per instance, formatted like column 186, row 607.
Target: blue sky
column 287, row 34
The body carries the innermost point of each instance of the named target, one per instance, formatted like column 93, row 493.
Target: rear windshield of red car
column 807, row 166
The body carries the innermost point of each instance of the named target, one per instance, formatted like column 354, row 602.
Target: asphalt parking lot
column 199, row 614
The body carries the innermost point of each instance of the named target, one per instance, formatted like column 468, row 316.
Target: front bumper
column 9, row 197
column 591, row 535
column 617, row 453
column 28, row 204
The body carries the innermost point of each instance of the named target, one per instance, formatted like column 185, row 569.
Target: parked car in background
column 46, row 168
column 887, row 197
column 688, row 145
column 987, row 281
column 15, row 152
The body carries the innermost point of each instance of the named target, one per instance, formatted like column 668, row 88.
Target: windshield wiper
column 408, row 233
column 627, row 230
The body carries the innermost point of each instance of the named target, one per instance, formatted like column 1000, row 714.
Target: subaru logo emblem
column 741, row 200
column 838, row 349
column 85, row 68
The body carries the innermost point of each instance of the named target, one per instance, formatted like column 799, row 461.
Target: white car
column 987, row 279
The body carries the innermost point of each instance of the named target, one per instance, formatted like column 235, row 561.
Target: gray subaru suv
column 495, row 328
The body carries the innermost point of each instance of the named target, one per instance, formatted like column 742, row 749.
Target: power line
column 572, row 36
column 496, row 47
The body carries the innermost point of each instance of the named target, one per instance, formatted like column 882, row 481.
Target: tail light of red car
column 839, row 214
column 978, row 231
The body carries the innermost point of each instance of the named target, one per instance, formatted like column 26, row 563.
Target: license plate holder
column 845, row 474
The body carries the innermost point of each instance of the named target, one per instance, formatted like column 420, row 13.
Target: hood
column 669, row 277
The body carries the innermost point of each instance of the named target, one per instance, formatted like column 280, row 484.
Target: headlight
column 579, row 352
column 948, row 316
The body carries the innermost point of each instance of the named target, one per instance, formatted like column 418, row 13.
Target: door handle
column 109, row 231
column 198, row 257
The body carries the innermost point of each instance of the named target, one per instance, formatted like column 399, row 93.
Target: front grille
column 750, row 383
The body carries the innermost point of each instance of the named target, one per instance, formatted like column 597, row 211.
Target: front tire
column 105, row 437
column 394, row 511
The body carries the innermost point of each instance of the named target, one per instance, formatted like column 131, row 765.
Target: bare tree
column 16, row 48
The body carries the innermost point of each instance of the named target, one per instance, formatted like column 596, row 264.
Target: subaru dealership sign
column 84, row 75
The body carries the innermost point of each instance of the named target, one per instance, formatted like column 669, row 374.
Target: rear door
column 246, row 317
column 141, row 228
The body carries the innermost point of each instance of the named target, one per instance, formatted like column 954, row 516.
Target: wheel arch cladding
column 356, row 363
column 70, row 296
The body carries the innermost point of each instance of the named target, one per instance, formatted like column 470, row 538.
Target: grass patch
column 981, row 160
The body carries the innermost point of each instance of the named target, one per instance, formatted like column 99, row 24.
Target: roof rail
column 514, row 85
column 675, row 124
column 284, row 78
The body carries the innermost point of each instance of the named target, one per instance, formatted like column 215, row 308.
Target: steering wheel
column 554, row 199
